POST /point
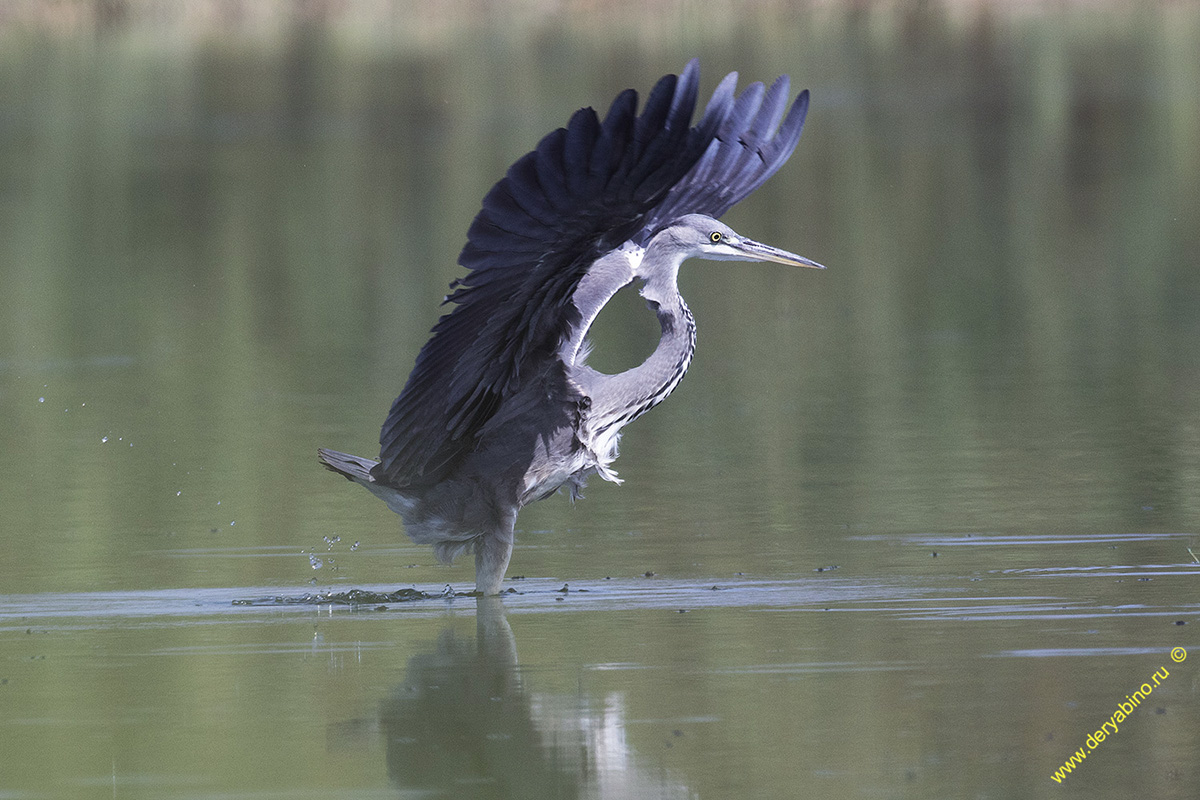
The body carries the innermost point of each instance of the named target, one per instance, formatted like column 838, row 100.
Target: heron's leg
column 492, row 552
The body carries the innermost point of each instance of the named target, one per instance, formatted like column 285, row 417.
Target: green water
column 220, row 252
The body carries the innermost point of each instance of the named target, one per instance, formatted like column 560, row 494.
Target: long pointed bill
column 757, row 251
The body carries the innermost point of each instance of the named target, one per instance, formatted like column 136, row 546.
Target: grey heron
column 501, row 408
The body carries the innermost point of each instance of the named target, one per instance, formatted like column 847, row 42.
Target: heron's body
column 502, row 408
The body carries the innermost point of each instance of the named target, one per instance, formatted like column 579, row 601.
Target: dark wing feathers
column 584, row 190
column 750, row 146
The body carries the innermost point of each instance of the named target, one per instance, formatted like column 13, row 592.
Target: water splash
column 353, row 598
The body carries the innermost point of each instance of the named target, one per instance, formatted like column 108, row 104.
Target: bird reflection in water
column 465, row 724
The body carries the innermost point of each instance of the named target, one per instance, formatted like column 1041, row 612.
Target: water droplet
column 354, row 546
column 103, row 439
column 180, row 492
column 315, row 562
column 233, row 522
column 41, row 399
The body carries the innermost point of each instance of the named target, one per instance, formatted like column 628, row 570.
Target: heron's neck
column 665, row 367
column 662, row 371
column 622, row 398
column 659, row 269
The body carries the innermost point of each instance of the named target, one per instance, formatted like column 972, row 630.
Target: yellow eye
column 714, row 237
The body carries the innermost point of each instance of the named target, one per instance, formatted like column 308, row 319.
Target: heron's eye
column 714, row 237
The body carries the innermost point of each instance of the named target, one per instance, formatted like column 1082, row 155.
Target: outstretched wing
column 584, row 191
column 750, row 146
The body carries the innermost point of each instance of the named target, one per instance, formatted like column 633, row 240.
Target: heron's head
column 700, row 236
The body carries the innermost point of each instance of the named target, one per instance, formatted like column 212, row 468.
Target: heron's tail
column 492, row 552
column 358, row 470
column 352, row 468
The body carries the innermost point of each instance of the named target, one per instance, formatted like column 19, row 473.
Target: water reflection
column 466, row 723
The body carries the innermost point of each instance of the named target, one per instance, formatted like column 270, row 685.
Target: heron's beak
column 757, row 251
